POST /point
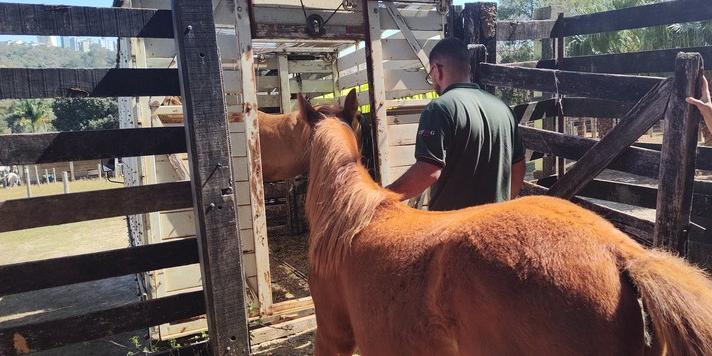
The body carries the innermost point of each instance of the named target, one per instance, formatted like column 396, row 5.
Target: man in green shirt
column 467, row 148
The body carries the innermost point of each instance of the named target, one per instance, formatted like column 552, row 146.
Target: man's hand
column 704, row 104
column 415, row 180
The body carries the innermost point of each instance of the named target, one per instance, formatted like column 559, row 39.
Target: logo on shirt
column 426, row 133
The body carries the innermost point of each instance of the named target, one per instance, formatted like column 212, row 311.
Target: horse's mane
column 341, row 198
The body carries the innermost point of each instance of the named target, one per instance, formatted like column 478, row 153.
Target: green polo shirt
column 473, row 137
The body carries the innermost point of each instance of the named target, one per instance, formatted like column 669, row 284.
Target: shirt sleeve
column 433, row 136
column 517, row 148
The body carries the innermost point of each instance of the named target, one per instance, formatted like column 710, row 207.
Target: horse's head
column 348, row 114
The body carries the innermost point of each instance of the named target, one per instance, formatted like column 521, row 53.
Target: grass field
column 61, row 240
column 66, row 240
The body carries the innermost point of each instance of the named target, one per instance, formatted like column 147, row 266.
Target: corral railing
column 217, row 246
column 601, row 87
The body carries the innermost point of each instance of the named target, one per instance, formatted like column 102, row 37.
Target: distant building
column 85, row 45
column 108, row 43
column 51, row 41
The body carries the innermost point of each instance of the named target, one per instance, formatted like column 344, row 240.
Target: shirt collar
column 461, row 85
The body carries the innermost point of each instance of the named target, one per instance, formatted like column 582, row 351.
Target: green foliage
column 29, row 115
column 79, row 114
column 174, row 344
column 34, row 115
column 13, row 55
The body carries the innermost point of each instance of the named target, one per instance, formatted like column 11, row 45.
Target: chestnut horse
column 536, row 275
column 284, row 139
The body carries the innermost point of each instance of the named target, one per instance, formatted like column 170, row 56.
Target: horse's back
column 540, row 271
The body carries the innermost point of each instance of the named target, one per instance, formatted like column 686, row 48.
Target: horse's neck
column 285, row 126
column 341, row 201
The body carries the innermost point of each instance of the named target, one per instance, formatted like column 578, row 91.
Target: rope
column 333, row 13
column 303, row 10
column 557, row 95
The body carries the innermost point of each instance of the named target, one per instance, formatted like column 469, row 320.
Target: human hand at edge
column 704, row 104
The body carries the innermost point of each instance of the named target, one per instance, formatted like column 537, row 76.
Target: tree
column 79, row 114
column 29, row 116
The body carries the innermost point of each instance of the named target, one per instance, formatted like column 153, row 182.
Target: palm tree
column 29, row 116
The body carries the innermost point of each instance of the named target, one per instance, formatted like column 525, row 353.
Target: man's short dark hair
column 451, row 49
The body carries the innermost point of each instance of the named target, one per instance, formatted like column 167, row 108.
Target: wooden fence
column 217, row 246
column 602, row 87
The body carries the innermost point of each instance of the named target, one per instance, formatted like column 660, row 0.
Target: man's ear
column 350, row 105
column 306, row 111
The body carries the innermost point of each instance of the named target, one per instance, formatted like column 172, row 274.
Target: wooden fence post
column 214, row 202
column 547, row 52
column 246, row 82
column 377, row 90
column 677, row 158
column 285, row 92
column 65, row 182
column 560, row 52
column 37, row 176
column 71, row 171
column 54, row 175
column 480, row 27
column 454, row 22
column 29, row 182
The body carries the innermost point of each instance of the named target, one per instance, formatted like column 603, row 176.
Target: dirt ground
column 289, row 266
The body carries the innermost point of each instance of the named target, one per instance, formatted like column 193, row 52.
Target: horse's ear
column 306, row 111
column 350, row 105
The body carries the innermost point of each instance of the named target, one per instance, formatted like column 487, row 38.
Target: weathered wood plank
column 664, row 13
column 268, row 31
column 20, row 149
column 214, row 206
column 377, row 92
column 23, row 339
column 524, row 30
column 639, row 119
column 393, row 50
column 572, row 107
column 658, row 61
column 704, row 154
column 639, row 161
column 677, row 157
column 66, row 208
column 641, row 195
column 62, row 20
column 27, row 276
column 603, row 86
column 479, row 27
column 639, row 229
column 22, row 83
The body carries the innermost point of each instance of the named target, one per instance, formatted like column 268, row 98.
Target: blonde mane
column 341, row 197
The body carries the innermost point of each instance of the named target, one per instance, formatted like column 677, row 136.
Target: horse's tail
column 678, row 298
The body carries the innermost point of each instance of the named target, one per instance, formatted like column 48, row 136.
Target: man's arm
column 415, row 180
column 517, row 177
column 704, row 104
